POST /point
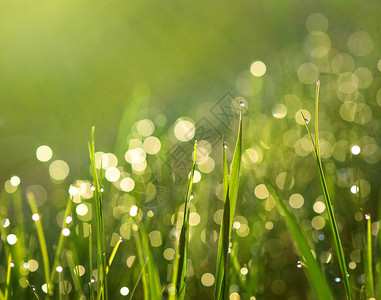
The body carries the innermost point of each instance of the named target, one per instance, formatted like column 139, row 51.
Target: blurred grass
column 66, row 66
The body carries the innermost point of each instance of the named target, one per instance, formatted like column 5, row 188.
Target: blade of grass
column 91, row 262
column 180, row 264
column 234, row 172
column 143, row 262
column 32, row 287
column 101, row 261
column 41, row 238
column 8, row 280
column 137, row 281
column 313, row 270
column 61, row 241
column 72, row 261
column 151, row 281
column 368, row 259
column 152, row 271
column 113, row 253
column 328, row 203
column 230, row 184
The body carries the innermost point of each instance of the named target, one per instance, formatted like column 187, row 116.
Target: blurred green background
column 66, row 66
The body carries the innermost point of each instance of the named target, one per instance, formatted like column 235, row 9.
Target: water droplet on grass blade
column 92, row 279
column 242, row 103
column 225, row 145
column 337, row 279
column 367, row 216
column 299, row 264
column 92, row 188
column 12, row 264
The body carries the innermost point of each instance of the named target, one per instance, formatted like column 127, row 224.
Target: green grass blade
column 34, row 291
column 369, row 285
column 328, row 203
column 234, row 172
column 231, row 183
column 91, row 262
column 41, row 238
column 152, row 271
column 113, row 253
column 180, row 264
column 137, row 281
column 313, row 270
column 101, row 261
column 8, row 279
column 143, row 262
column 60, row 241
column 72, row 261
column 223, row 249
column 150, row 277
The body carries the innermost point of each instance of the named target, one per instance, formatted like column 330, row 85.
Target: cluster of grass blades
column 314, row 273
column 227, row 261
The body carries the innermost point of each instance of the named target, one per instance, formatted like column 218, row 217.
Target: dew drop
column 102, row 189
column 337, row 279
column 299, row 264
column 367, row 216
column 242, row 103
column 92, row 279
column 33, row 287
column 191, row 196
column 120, row 239
column 12, row 264
column 229, row 250
column 92, row 188
column 225, row 145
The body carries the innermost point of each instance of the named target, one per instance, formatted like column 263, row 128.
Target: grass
column 230, row 188
column 328, row 202
column 95, row 268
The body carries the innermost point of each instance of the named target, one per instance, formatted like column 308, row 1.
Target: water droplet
column 242, row 103
column 33, row 287
column 92, row 188
column 367, row 216
column 306, row 121
column 120, row 239
column 12, row 264
column 225, row 145
column 299, row 264
column 92, row 279
column 318, row 82
column 102, row 189
column 191, row 196
column 229, row 250
column 337, row 279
